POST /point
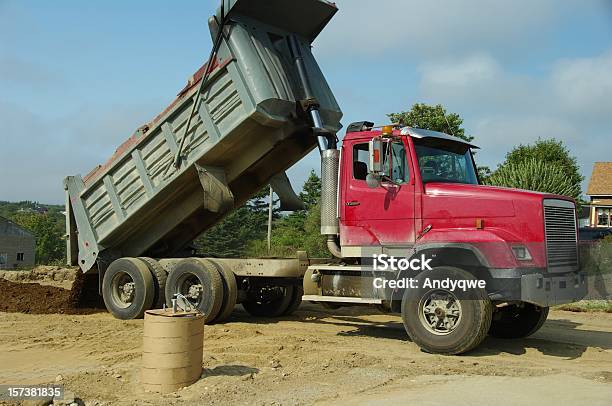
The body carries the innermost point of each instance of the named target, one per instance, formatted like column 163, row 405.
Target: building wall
column 14, row 241
column 11, row 245
column 600, row 202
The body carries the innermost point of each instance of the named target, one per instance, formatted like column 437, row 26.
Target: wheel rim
column 123, row 289
column 440, row 312
column 190, row 286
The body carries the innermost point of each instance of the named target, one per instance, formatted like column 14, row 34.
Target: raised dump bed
column 248, row 126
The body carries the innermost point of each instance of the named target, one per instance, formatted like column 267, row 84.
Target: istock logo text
column 384, row 262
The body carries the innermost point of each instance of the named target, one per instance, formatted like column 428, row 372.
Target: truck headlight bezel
column 521, row 253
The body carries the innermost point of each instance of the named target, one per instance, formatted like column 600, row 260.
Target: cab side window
column 397, row 169
column 361, row 159
column 395, row 163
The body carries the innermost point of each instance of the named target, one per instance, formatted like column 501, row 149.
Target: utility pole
column 270, row 220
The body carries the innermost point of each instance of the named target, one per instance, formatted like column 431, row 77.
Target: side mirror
column 373, row 181
column 375, row 147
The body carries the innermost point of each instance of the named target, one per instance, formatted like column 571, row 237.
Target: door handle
column 353, row 203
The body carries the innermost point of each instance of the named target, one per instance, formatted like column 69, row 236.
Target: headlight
column 521, row 253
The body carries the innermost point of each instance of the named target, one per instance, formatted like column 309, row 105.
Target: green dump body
column 247, row 129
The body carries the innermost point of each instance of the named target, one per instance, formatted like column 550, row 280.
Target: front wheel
column 443, row 321
column 518, row 321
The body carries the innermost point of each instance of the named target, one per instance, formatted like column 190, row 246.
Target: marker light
column 387, row 130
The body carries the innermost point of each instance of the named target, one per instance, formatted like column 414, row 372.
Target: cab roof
column 370, row 132
column 422, row 133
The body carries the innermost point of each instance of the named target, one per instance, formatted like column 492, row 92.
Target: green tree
column 550, row 151
column 50, row 245
column 312, row 240
column 311, row 192
column 232, row 236
column 483, row 173
column 434, row 118
column 537, row 175
column 299, row 230
column 314, row 243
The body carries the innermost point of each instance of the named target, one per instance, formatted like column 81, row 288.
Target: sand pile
column 34, row 298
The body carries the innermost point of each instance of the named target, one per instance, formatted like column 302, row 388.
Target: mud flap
column 218, row 198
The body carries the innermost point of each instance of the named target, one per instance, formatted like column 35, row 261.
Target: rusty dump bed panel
column 247, row 130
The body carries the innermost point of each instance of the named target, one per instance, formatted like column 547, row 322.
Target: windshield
column 445, row 161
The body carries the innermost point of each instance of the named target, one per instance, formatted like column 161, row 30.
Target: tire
column 230, row 293
column 199, row 281
column 296, row 300
column 468, row 314
column 518, row 321
column 270, row 308
column 159, row 281
column 128, row 301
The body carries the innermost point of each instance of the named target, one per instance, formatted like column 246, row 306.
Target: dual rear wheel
column 133, row 285
column 205, row 285
column 274, row 300
column 128, row 288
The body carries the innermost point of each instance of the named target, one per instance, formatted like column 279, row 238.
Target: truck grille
column 561, row 240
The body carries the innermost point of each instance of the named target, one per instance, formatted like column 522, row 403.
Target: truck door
column 383, row 215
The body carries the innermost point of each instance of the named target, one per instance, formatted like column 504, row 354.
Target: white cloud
column 503, row 109
column 434, row 28
column 584, row 85
column 37, row 152
column 481, row 82
column 498, row 133
column 472, row 70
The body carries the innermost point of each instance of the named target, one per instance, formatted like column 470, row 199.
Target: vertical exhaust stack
column 330, row 163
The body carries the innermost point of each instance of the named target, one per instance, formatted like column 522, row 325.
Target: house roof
column 601, row 179
column 601, row 202
column 7, row 227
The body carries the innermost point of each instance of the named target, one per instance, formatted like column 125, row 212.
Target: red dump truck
column 409, row 225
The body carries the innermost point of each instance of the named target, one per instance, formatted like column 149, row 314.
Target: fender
column 470, row 249
column 492, row 246
column 428, row 246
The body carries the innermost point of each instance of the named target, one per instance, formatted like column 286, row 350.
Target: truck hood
column 489, row 217
column 463, row 200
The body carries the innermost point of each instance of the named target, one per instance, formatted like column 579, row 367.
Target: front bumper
column 536, row 286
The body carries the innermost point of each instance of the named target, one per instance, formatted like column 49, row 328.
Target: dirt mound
column 61, row 277
column 34, row 298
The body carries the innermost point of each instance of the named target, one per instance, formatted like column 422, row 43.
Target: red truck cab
column 410, row 193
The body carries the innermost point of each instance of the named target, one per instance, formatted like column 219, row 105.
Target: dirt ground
column 316, row 356
column 356, row 356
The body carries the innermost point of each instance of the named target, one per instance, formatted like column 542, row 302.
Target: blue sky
column 77, row 78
